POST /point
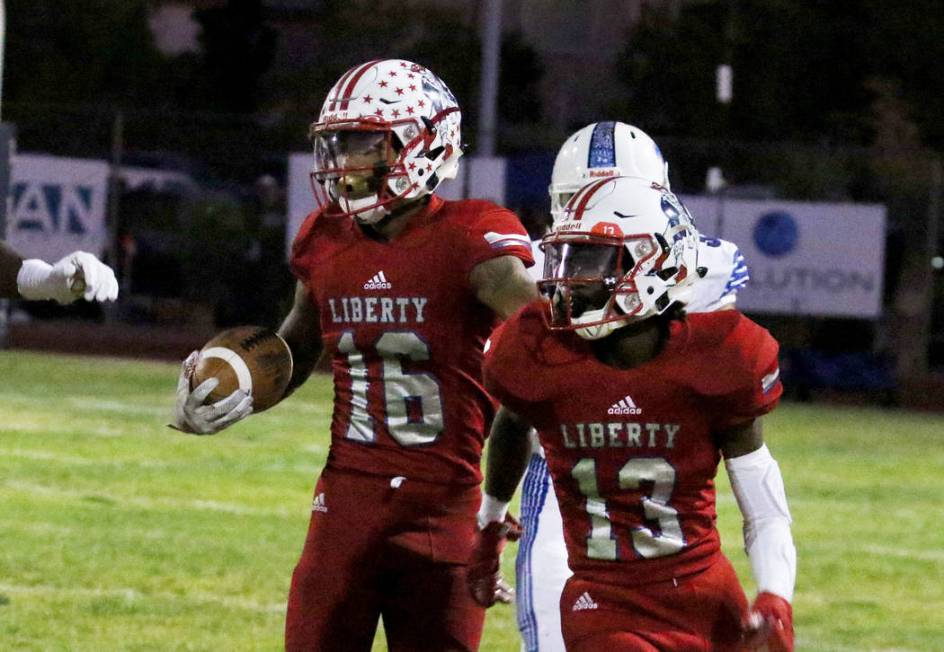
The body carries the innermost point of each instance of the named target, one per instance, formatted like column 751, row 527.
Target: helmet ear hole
column 667, row 273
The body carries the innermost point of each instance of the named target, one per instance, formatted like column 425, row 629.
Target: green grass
column 117, row 533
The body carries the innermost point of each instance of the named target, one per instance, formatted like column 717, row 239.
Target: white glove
column 193, row 416
column 77, row 275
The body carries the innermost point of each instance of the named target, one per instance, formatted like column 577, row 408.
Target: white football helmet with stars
column 403, row 115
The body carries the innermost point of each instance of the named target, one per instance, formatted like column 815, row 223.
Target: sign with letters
column 58, row 206
column 804, row 258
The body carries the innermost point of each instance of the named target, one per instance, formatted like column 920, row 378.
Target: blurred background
column 170, row 137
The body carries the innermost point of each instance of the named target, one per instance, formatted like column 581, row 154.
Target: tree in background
column 81, row 52
column 801, row 68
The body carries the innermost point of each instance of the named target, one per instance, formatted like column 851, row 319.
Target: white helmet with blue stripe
column 602, row 150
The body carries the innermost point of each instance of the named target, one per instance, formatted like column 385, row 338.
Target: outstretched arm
column 758, row 486
column 79, row 274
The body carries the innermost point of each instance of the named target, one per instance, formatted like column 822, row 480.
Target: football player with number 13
column 400, row 288
column 636, row 403
column 597, row 151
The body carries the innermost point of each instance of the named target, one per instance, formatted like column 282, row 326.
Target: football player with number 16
column 400, row 288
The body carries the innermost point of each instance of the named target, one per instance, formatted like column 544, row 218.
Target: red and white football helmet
column 626, row 249
column 602, row 150
column 388, row 134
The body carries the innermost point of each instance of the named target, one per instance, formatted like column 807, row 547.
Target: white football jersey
column 727, row 273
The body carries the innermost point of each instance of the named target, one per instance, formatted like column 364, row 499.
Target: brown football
column 248, row 357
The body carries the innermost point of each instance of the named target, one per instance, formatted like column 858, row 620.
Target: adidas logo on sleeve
column 584, row 603
column 625, row 405
column 378, row 282
column 318, row 504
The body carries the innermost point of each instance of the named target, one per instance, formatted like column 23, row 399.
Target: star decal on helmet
column 421, row 119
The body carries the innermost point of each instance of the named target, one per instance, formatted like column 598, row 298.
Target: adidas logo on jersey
column 318, row 504
column 624, row 406
column 584, row 603
column 378, row 282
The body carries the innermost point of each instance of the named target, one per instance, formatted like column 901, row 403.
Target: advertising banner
column 818, row 259
column 58, row 206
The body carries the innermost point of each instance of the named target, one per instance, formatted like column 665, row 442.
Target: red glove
column 770, row 623
column 483, row 574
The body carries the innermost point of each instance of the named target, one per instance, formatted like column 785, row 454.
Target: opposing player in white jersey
column 599, row 150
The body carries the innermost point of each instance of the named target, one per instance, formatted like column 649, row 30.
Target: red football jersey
column 405, row 332
column 631, row 451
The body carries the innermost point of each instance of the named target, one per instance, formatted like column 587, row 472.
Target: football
column 252, row 358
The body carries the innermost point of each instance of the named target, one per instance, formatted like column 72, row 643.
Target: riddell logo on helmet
column 378, row 282
column 568, row 226
column 596, row 174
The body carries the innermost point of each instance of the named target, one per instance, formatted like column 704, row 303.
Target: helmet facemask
column 590, row 282
column 597, row 277
column 355, row 167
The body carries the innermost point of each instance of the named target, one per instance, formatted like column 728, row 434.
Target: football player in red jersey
column 636, row 404
column 78, row 275
column 400, row 289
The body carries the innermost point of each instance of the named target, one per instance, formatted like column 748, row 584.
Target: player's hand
column 192, row 416
column 79, row 274
column 769, row 624
column 484, row 575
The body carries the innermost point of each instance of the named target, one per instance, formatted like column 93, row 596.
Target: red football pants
column 377, row 551
column 700, row 612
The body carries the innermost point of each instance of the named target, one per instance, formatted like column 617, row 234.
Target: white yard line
column 890, row 551
column 131, row 595
column 161, row 504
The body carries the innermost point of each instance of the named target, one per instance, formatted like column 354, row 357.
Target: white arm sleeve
column 758, row 487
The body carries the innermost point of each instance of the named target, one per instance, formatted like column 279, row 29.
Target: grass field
column 117, row 533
